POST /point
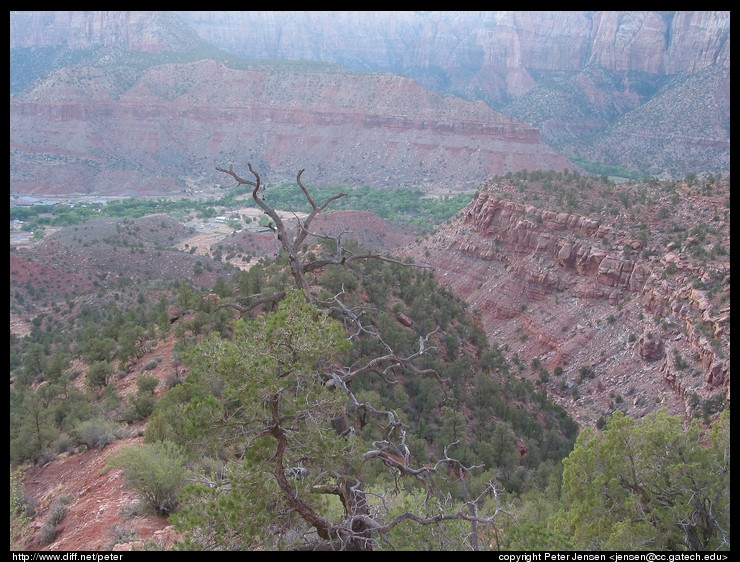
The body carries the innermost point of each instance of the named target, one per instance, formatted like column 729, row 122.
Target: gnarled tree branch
column 359, row 528
column 254, row 301
column 291, row 244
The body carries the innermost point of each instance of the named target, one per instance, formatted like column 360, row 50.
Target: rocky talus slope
column 591, row 310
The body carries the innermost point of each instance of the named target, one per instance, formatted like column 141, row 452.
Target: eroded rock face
column 616, row 60
column 509, row 45
column 135, row 31
column 651, row 349
column 549, row 285
column 169, row 127
column 505, row 49
column 653, row 42
column 562, row 237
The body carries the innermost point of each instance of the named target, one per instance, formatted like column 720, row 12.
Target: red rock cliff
column 573, row 292
column 116, row 132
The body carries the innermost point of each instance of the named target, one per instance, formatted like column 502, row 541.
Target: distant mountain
column 133, row 31
column 637, row 92
column 576, row 76
column 117, row 129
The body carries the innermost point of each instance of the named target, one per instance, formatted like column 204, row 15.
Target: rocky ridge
column 627, row 326
column 95, row 130
column 606, row 87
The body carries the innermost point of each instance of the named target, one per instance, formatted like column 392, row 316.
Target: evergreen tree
column 288, row 415
column 653, row 484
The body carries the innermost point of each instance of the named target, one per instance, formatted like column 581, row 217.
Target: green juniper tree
column 652, row 484
column 289, row 418
column 296, row 470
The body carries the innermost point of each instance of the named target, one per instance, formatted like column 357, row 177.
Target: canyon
column 578, row 299
column 133, row 102
column 589, row 296
column 606, row 296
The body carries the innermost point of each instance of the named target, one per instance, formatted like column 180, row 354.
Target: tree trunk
column 352, row 494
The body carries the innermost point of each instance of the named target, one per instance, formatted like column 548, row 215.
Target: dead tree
column 359, row 529
column 291, row 243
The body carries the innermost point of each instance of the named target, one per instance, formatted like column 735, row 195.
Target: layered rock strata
column 550, row 285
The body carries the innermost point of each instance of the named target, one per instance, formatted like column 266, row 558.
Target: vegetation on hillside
column 367, row 410
column 50, row 414
column 656, row 484
column 603, row 169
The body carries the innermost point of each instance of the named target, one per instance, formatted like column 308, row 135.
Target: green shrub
column 96, row 432
column 59, row 509
column 21, row 511
column 337, row 279
column 98, row 375
column 156, row 471
column 57, row 512
column 151, row 364
column 122, row 534
column 48, row 534
column 140, row 407
column 146, row 384
column 574, row 392
column 45, row 456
